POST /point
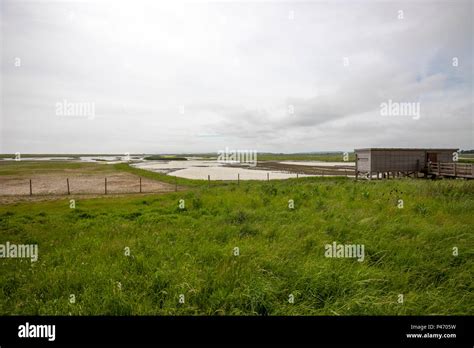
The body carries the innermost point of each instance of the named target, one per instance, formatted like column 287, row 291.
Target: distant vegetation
column 165, row 158
column 325, row 157
column 75, row 155
column 266, row 156
column 190, row 251
column 466, row 157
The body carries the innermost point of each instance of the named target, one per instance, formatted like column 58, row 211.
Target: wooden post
column 268, row 176
column 68, row 191
column 357, row 167
column 209, row 179
column 439, row 168
column 31, row 189
column 238, row 178
column 140, row 184
column 105, row 185
column 455, row 171
column 296, row 175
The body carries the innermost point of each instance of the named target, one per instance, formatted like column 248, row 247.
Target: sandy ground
column 4, row 200
column 230, row 173
column 172, row 166
column 93, row 184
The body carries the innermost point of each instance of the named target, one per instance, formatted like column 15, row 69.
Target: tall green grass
column 190, row 251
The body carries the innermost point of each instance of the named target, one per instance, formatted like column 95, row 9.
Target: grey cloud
column 235, row 67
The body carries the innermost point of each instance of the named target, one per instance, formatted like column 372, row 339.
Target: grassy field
column 466, row 158
column 25, row 168
column 190, row 251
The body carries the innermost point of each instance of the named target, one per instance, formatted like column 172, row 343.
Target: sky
column 189, row 77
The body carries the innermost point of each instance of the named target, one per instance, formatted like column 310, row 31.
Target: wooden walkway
column 457, row 170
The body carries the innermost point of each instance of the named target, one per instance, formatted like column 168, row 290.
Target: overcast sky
column 202, row 76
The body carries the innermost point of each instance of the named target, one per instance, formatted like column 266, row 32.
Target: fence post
column 455, row 171
column 140, row 184
column 105, row 185
column 68, row 191
column 31, row 189
column 238, row 178
column 357, row 166
column 209, row 179
column 296, row 175
column 268, row 176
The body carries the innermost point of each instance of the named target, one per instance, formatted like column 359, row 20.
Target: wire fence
column 82, row 185
column 120, row 184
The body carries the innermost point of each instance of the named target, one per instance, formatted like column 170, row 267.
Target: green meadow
column 422, row 251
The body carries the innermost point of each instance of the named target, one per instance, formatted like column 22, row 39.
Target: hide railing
column 462, row 170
